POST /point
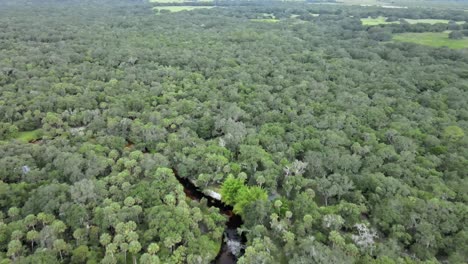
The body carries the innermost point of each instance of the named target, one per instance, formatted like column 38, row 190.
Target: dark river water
column 234, row 221
column 225, row 255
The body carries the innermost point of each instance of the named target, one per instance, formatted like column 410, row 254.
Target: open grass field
column 180, row 8
column 433, row 39
column 27, row 136
column 376, row 21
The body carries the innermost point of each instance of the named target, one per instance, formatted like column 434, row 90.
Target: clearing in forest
column 382, row 21
column 27, row 136
column 433, row 39
column 430, row 21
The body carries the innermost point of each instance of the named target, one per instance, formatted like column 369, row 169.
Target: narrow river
column 230, row 236
column 225, row 255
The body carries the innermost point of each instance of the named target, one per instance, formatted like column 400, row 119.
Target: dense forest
column 330, row 142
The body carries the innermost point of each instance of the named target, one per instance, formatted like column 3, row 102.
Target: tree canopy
column 334, row 144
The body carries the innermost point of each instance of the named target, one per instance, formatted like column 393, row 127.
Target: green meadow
column 433, row 39
column 27, row 136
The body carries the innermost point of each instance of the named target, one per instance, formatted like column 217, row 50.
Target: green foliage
column 453, row 133
column 331, row 146
column 235, row 193
column 247, row 195
column 230, row 189
column 456, row 35
column 8, row 131
column 80, row 254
